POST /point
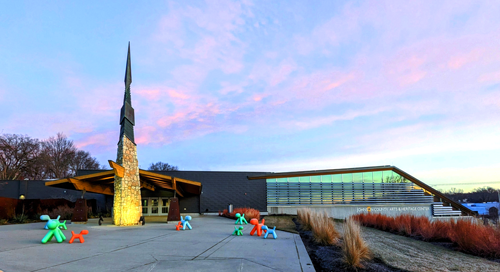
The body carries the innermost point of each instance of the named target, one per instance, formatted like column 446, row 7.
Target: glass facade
column 349, row 188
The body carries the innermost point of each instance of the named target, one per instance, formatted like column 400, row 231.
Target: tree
column 22, row 157
column 160, row 166
column 58, row 153
column 83, row 160
column 17, row 154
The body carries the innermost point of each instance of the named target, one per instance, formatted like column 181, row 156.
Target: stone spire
column 127, row 196
column 127, row 117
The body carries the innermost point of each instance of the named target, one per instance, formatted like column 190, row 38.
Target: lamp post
column 22, row 197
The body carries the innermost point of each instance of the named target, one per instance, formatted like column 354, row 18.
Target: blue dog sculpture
column 46, row 217
column 272, row 231
column 185, row 222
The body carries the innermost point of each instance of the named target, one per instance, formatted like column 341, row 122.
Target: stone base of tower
column 127, row 207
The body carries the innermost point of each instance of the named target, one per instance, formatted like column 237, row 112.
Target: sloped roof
column 103, row 182
column 428, row 189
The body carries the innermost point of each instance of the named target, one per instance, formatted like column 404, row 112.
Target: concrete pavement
column 152, row 247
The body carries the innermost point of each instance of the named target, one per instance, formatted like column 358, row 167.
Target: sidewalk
column 209, row 246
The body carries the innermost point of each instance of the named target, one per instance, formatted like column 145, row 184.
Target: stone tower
column 127, row 198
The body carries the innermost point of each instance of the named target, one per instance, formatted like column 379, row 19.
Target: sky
column 266, row 86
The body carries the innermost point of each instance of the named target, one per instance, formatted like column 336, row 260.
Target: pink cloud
column 490, row 77
column 97, row 139
column 457, row 62
column 153, row 94
column 147, row 134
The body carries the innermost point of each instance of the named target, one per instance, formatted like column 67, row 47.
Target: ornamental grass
column 323, row 229
column 354, row 248
column 469, row 235
column 305, row 215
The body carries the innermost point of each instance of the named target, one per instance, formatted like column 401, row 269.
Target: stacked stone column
column 127, row 208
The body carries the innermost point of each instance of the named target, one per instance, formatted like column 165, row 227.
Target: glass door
column 144, row 206
column 154, row 206
column 164, row 202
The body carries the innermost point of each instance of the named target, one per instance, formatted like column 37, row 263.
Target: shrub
column 323, row 229
column 19, row 219
column 249, row 213
column 442, row 230
column 425, row 229
column 354, row 248
column 64, row 211
column 469, row 236
column 475, row 238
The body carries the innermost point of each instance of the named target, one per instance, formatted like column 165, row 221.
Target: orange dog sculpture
column 257, row 227
column 178, row 226
column 78, row 236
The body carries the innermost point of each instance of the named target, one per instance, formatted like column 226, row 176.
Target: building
column 339, row 192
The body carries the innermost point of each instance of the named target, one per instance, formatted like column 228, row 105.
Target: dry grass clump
column 323, row 229
column 249, row 213
column 354, row 248
column 305, row 217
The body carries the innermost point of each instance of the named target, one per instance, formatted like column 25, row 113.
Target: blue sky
column 265, row 85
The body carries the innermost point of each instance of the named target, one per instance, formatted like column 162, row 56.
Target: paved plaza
column 209, row 246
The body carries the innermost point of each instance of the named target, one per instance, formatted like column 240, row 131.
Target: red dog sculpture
column 178, row 226
column 257, row 227
column 78, row 236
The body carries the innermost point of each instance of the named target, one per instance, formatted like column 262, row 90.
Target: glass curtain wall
column 350, row 188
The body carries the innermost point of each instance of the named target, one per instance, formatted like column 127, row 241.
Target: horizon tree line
column 23, row 157
column 26, row 158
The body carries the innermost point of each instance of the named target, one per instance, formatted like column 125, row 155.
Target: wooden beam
column 54, row 182
column 174, row 184
column 146, row 185
column 89, row 187
column 118, row 169
column 100, row 174
column 188, row 181
column 144, row 172
column 99, row 179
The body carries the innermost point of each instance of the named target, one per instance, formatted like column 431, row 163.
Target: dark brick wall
column 222, row 188
column 36, row 189
column 189, row 204
column 219, row 189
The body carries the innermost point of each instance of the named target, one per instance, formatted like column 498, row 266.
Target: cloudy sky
column 265, row 85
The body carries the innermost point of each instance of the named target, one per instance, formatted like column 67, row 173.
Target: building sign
column 392, row 209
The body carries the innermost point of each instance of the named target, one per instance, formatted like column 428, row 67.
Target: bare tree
column 83, row 160
column 161, row 166
column 22, row 157
column 17, row 153
column 58, row 154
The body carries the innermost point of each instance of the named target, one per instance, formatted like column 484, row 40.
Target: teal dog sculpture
column 241, row 219
column 54, row 230
column 238, row 231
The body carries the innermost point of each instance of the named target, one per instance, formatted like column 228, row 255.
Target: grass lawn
column 282, row 222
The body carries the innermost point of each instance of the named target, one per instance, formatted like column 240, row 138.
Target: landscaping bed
column 330, row 258
column 390, row 252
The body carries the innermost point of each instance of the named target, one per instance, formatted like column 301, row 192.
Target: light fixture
column 22, row 197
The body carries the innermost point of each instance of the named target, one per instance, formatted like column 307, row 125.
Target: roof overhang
column 428, row 189
column 103, row 182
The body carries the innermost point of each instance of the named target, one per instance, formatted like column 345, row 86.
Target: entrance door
column 145, row 210
column 154, row 206
column 164, row 203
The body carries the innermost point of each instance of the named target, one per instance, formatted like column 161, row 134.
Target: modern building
column 339, row 192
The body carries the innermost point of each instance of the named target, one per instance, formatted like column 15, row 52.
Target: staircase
column 439, row 210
